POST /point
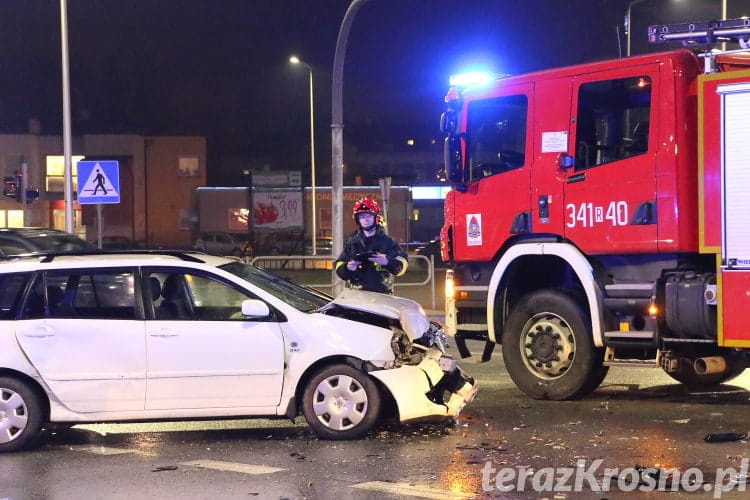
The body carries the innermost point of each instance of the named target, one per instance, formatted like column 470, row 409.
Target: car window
column 99, row 293
column 612, row 120
column 497, row 135
column 11, row 288
column 195, row 297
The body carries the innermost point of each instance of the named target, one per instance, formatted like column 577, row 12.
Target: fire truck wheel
column 548, row 349
column 686, row 374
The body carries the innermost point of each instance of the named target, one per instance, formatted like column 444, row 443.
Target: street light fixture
column 296, row 60
column 636, row 2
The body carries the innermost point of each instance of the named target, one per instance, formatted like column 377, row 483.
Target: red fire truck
column 600, row 214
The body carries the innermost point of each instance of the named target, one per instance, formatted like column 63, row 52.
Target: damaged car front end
column 423, row 379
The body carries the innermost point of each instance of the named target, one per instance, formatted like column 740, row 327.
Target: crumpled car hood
column 410, row 314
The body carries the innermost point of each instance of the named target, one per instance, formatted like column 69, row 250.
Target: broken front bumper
column 434, row 387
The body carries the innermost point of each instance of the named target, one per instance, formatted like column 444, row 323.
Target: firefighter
column 370, row 258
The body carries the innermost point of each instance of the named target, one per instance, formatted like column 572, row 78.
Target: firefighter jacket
column 371, row 276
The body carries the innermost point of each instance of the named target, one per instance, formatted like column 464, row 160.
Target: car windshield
column 302, row 298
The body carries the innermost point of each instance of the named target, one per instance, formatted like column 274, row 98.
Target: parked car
column 118, row 243
column 223, row 244
column 279, row 243
column 323, row 246
column 172, row 335
column 23, row 240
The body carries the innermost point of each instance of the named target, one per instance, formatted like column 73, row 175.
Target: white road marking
column 414, row 490
column 102, row 450
column 233, row 467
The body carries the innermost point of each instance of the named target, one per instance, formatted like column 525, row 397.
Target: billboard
column 225, row 209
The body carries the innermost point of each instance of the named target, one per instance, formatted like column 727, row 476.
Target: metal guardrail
column 297, row 263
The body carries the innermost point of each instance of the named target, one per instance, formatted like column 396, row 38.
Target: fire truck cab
column 596, row 217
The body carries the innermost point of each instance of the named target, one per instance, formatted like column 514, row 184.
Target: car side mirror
column 453, row 157
column 449, row 122
column 254, row 308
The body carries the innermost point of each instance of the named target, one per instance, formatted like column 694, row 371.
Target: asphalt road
column 637, row 418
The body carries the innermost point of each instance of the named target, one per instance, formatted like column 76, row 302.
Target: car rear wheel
column 341, row 402
column 21, row 416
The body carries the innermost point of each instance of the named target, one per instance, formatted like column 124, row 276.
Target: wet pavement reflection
column 639, row 423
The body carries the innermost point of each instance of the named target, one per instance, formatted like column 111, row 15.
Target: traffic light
column 19, row 187
column 13, row 188
column 10, row 186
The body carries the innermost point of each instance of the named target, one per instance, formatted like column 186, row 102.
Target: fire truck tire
column 686, row 374
column 548, row 349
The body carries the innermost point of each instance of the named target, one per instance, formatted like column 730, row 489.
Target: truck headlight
column 450, row 286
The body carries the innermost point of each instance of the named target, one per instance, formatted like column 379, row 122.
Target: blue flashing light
column 473, row 78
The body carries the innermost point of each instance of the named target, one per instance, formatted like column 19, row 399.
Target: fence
column 307, row 270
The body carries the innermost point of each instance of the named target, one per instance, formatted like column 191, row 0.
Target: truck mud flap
column 463, row 350
column 487, row 352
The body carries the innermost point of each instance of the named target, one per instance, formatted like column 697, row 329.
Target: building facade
column 157, row 178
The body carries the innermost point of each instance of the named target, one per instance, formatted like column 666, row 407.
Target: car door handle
column 576, row 178
column 164, row 332
column 39, row 334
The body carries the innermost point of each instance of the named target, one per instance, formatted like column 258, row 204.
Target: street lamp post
column 337, row 136
column 296, row 60
column 628, row 27
column 723, row 17
column 67, row 140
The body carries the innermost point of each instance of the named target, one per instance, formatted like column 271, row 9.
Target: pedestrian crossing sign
column 98, row 182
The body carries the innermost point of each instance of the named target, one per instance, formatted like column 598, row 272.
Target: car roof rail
column 186, row 255
column 180, row 254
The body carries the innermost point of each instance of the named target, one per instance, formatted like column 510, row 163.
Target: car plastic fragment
column 411, row 384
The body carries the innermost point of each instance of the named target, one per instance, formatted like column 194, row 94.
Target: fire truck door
column 496, row 203
column 610, row 192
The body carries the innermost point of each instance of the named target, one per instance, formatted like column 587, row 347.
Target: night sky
column 219, row 68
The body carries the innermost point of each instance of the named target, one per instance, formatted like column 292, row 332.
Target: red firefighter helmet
column 366, row 206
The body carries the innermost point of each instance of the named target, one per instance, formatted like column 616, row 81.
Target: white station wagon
column 168, row 335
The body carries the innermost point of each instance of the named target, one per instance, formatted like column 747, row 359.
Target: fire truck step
column 633, row 335
column 611, row 359
column 630, row 290
column 472, row 327
column 631, row 362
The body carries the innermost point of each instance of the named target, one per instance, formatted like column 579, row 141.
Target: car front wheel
column 548, row 349
column 341, row 402
column 20, row 415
